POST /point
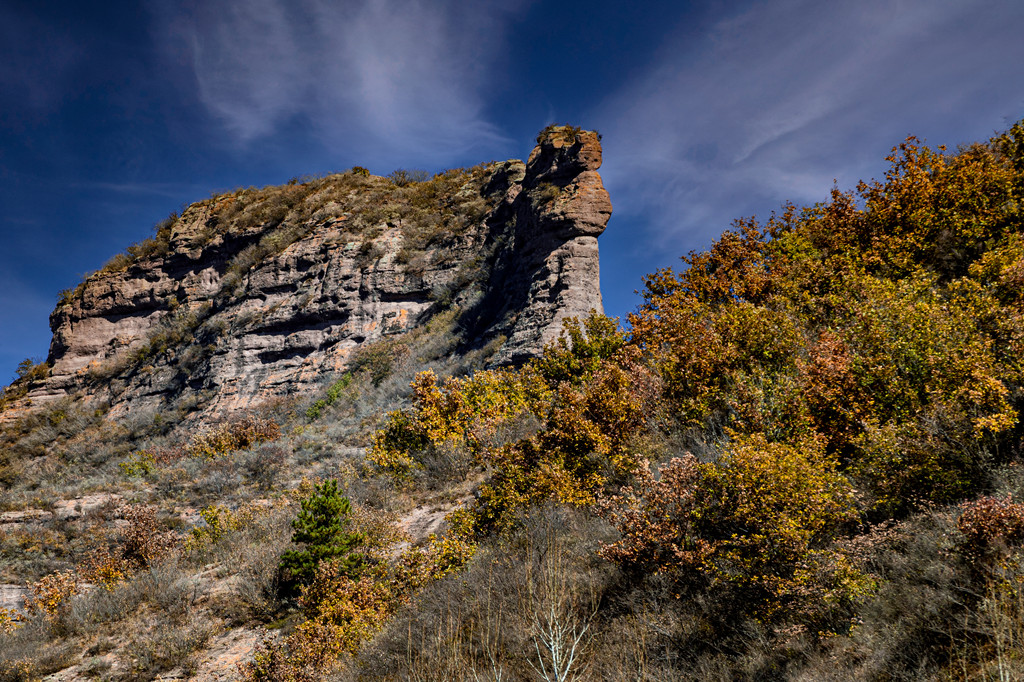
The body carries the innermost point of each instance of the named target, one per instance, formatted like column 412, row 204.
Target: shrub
column 106, row 569
column 590, row 397
column 378, row 359
column 566, row 133
column 51, row 592
column 751, row 521
column 579, row 350
column 141, row 463
column 32, row 370
column 143, row 541
column 457, row 413
column 850, row 324
column 990, row 525
column 220, row 521
column 264, row 464
column 9, row 621
column 342, row 611
column 235, row 435
column 334, row 393
column 402, row 177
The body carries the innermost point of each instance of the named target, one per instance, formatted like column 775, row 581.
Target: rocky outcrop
column 262, row 293
column 550, row 270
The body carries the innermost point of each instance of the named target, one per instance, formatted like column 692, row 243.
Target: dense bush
column 239, row 434
column 757, row 521
column 991, row 526
column 589, row 395
column 346, row 603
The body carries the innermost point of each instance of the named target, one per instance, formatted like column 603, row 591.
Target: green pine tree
column 323, row 527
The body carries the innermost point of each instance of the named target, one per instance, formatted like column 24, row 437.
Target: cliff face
column 262, row 293
column 553, row 216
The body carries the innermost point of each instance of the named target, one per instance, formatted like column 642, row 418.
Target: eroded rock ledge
column 232, row 315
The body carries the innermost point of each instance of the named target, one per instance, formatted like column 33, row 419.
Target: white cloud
column 379, row 76
column 774, row 102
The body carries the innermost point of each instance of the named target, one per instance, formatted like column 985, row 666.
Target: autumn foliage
column 803, row 449
column 238, row 434
column 991, row 526
column 837, row 366
column 753, row 521
column 588, row 398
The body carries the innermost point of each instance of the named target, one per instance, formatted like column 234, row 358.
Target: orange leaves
column 835, row 400
column 344, row 612
column 940, row 210
column 734, row 268
column 990, row 524
column 892, row 329
column 590, row 397
column 656, row 520
column 105, row 569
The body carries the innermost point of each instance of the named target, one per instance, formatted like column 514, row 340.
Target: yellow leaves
column 50, row 592
column 790, row 491
column 460, row 413
column 750, row 520
column 586, row 402
column 139, row 463
column 395, row 444
column 219, row 521
column 9, row 621
column 902, row 312
column 341, row 612
column 235, row 435
column 996, row 423
column 590, row 419
column 106, row 570
column 579, row 350
column 418, row 566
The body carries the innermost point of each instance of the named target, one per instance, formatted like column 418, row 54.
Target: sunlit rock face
column 553, row 216
column 259, row 294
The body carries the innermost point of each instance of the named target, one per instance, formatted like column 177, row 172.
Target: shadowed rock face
column 222, row 320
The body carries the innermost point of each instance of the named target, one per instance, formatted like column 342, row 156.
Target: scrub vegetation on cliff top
column 801, row 460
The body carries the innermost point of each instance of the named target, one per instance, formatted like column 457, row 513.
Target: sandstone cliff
column 257, row 294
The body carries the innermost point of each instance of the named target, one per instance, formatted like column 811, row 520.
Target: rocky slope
column 258, row 294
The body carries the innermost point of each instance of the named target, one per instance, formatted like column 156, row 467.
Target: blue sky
column 114, row 114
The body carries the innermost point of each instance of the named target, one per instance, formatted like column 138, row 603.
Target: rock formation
column 555, row 212
column 262, row 293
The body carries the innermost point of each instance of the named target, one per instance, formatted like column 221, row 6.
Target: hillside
column 801, row 461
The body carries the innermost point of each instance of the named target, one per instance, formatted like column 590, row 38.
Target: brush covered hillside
column 800, row 461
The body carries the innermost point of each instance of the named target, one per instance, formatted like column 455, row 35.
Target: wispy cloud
column 374, row 75
column 172, row 190
column 775, row 101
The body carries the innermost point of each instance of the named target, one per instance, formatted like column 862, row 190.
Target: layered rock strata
column 263, row 293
